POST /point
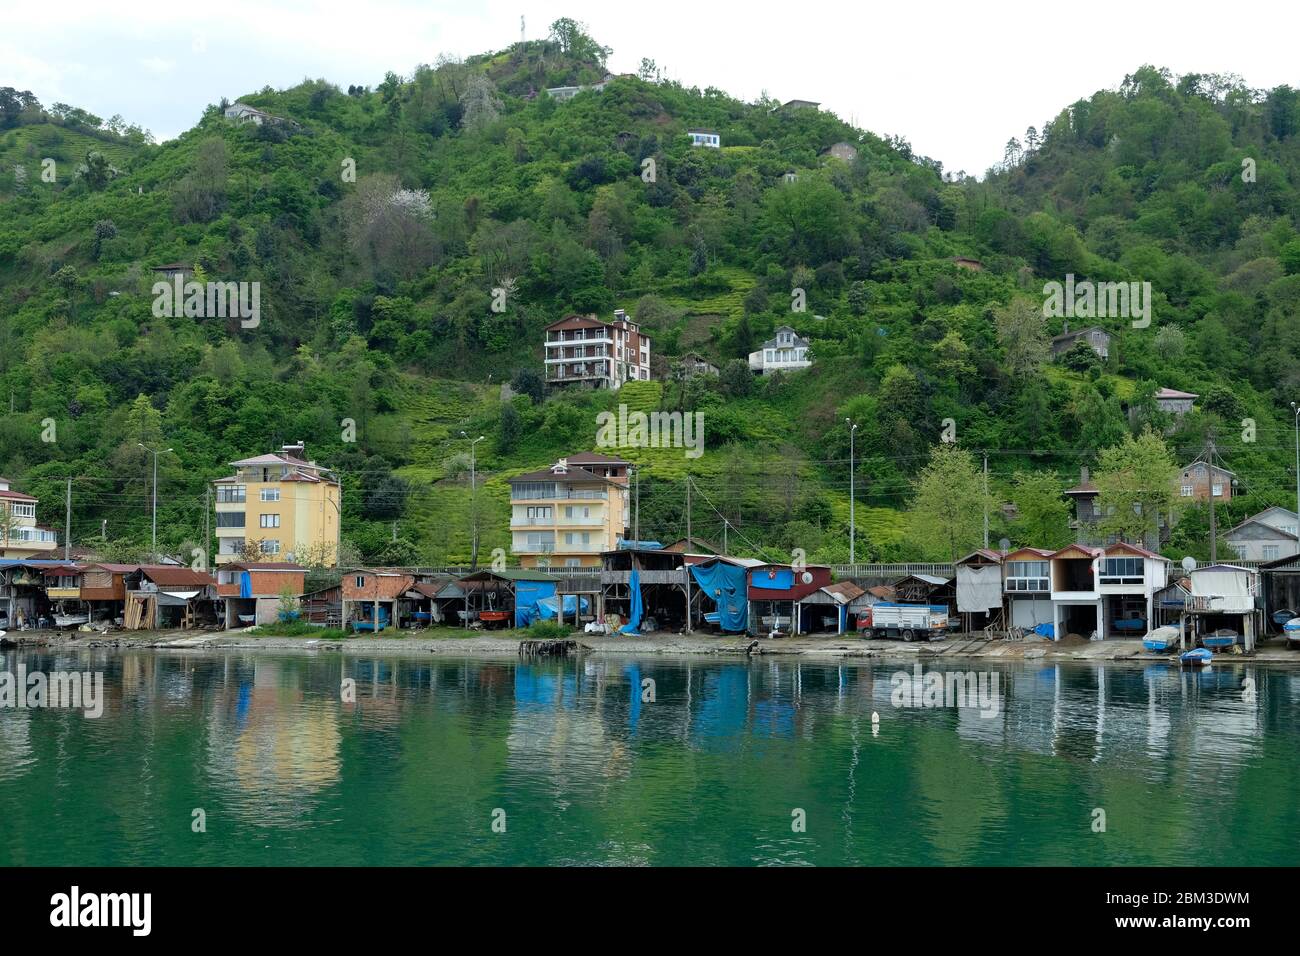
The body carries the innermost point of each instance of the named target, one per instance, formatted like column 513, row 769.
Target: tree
column 479, row 103
column 527, row 381
column 1042, row 514
column 948, row 506
column 509, row 430
column 1136, row 482
column 1023, row 336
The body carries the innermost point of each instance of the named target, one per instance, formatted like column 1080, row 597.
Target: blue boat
column 1195, row 658
column 1161, row 639
column 1130, row 624
column 1220, row 639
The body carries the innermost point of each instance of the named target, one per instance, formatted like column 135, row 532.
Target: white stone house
column 786, row 351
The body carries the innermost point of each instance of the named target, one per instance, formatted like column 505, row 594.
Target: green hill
column 377, row 291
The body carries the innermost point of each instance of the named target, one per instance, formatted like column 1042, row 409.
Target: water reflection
column 645, row 761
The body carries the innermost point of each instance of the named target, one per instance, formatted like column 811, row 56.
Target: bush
column 548, row 631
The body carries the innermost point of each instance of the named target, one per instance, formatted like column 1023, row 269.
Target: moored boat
column 1161, row 639
column 1222, row 638
column 1195, row 658
column 1292, row 631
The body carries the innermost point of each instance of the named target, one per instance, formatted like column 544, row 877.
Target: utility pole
column 688, row 548
column 207, row 527
column 67, row 525
column 1214, row 539
column 155, row 453
column 473, row 503
column 853, row 525
column 986, row 499
column 636, row 508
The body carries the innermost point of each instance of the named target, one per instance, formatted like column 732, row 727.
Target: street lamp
column 155, row 453
column 853, row 530
column 1295, row 409
column 473, row 503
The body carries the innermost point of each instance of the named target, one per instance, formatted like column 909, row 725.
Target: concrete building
column 20, row 535
column 1267, row 536
column 570, row 513
column 584, row 351
column 1105, row 591
column 284, row 502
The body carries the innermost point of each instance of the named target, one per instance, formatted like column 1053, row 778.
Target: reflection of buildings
column 280, row 747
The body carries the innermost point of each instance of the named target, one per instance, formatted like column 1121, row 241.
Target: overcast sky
column 956, row 79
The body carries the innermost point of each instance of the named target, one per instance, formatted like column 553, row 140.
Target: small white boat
column 1292, row 631
column 62, row 619
column 1161, row 639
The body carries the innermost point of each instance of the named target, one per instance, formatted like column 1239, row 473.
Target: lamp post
column 155, row 453
column 1295, row 409
column 473, row 503
column 853, row 528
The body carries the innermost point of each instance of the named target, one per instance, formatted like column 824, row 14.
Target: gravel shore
column 506, row 644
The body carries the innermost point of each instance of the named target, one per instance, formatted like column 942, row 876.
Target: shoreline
column 828, row 647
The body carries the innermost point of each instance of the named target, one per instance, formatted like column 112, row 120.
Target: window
column 230, row 519
column 270, row 521
column 270, row 494
column 1270, row 552
column 1027, row 576
column 24, row 511
column 1217, row 489
column 270, row 547
column 1187, row 491
column 539, row 511
column 361, row 580
column 1122, row 571
column 573, row 562
column 231, row 494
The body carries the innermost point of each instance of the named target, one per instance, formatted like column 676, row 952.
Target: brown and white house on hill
column 1198, row 481
column 585, row 351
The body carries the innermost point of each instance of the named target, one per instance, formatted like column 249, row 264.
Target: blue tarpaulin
column 724, row 584
column 782, row 580
column 1047, row 630
column 634, row 618
column 547, row 608
column 527, row 594
column 245, row 584
column 626, row 545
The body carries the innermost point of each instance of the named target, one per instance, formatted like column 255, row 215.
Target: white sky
column 956, row 79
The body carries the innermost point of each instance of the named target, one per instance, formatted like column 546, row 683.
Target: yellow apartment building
column 284, row 501
column 20, row 535
column 566, row 515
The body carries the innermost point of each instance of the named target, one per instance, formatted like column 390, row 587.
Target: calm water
column 1186, row 770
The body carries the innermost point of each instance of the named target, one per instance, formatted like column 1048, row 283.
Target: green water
column 1188, row 768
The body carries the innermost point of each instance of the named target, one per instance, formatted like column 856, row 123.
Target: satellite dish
column 1189, row 563
column 1005, row 544
column 806, row 577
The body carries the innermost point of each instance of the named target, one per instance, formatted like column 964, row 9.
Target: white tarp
column 1227, row 588
column 979, row 587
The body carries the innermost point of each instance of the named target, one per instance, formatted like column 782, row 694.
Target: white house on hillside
column 1266, row 536
column 786, row 351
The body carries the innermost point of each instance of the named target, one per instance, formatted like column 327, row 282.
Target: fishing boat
column 247, row 618
column 64, row 618
column 1161, row 639
column 1195, row 658
column 1292, row 631
column 1222, row 638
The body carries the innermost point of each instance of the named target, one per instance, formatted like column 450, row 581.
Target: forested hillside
column 380, row 221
